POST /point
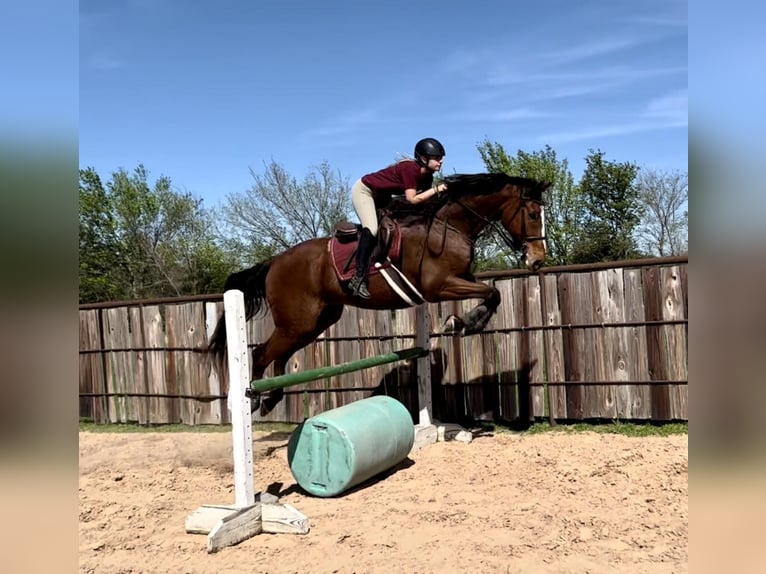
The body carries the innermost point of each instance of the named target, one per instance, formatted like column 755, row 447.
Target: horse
column 302, row 288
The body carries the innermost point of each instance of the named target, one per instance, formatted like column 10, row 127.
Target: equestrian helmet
column 428, row 147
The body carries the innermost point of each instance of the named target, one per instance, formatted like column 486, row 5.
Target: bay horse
column 305, row 295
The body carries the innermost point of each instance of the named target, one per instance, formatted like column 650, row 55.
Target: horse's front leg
column 457, row 289
column 267, row 400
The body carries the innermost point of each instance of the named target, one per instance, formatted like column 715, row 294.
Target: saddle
column 345, row 239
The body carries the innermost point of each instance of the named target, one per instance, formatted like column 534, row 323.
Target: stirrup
column 358, row 287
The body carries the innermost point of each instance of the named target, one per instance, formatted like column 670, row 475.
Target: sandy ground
column 554, row 502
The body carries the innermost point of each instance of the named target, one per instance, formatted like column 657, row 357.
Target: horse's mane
column 467, row 184
column 462, row 184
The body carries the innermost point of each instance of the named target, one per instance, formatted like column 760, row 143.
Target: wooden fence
column 567, row 343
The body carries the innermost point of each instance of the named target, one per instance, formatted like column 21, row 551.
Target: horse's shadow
column 503, row 398
column 472, row 404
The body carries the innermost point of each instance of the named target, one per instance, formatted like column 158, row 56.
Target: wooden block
column 424, row 435
column 283, row 519
column 205, row 518
column 450, row 431
column 234, row 528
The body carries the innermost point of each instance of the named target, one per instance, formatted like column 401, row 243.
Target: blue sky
column 202, row 91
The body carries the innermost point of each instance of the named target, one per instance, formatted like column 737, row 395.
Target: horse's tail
column 252, row 283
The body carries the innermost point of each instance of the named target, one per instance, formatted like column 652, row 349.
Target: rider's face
column 435, row 163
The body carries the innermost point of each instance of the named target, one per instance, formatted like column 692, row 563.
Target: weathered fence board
column 572, row 345
column 556, row 347
column 656, row 351
column 534, row 343
column 554, row 350
column 509, row 352
column 92, row 368
column 161, row 409
column 638, row 364
column 607, row 351
column 122, row 366
column 675, row 340
column 138, row 340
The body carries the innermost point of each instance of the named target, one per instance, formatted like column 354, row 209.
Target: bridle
column 500, row 230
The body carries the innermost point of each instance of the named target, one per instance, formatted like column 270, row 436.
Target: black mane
column 465, row 184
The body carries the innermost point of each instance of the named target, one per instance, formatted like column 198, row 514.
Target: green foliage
column 612, row 211
column 614, row 427
column 564, row 208
column 141, row 240
column 98, row 243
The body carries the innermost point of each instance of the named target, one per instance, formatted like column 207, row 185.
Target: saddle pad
column 342, row 252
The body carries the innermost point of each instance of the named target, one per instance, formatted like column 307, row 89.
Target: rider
column 412, row 178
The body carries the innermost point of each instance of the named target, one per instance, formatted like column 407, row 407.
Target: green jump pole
column 290, row 379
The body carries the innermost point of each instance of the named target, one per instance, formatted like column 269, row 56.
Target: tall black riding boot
column 358, row 284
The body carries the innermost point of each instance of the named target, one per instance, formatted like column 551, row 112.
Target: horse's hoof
column 266, row 407
column 255, row 403
column 453, row 324
column 270, row 399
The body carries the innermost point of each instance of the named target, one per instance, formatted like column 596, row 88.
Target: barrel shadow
column 278, row 488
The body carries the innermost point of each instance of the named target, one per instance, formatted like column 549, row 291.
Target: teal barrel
column 341, row 448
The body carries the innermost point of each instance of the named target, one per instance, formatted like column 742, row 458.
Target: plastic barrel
column 341, row 448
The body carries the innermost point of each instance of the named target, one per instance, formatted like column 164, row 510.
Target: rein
column 500, row 230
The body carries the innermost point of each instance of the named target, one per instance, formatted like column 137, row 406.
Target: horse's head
column 522, row 217
column 517, row 202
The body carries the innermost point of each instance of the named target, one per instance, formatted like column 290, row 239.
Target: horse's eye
column 533, row 215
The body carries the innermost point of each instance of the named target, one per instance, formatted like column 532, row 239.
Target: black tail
column 252, row 283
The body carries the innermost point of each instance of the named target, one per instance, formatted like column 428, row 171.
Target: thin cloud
column 104, row 62
column 613, row 73
column 465, row 62
column 659, row 21
column 502, row 115
column 672, row 106
column 345, row 124
column 665, row 15
column 588, row 50
column 563, row 92
column 611, row 130
column 490, row 64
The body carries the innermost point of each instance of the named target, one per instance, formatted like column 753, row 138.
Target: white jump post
column 227, row 525
column 238, row 402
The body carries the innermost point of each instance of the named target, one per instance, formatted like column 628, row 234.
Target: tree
column 97, row 241
column 278, row 212
column 664, row 228
column 140, row 240
column 563, row 205
column 612, row 211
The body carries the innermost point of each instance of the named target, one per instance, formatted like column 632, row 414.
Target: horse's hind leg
column 284, row 342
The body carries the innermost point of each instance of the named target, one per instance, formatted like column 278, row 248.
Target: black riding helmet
column 428, row 147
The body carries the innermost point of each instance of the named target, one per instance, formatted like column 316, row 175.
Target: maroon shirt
column 395, row 179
